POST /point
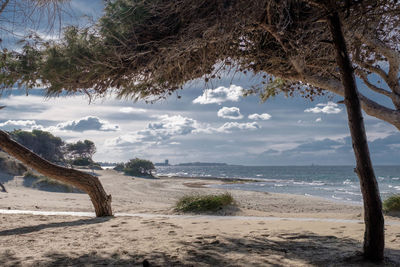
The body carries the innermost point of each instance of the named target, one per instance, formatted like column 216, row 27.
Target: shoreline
column 230, row 180
column 263, row 229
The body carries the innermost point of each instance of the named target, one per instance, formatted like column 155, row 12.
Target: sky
column 210, row 123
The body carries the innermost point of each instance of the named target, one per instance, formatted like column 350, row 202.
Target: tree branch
column 373, row 87
column 369, row 106
column 392, row 56
column 4, row 5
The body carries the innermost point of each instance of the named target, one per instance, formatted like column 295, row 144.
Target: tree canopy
column 53, row 148
column 42, row 143
column 81, row 151
column 149, row 49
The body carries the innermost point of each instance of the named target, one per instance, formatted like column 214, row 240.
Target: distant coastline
column 201, row 164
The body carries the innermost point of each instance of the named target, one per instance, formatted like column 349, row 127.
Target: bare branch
column 373, row 87
column 392, row 56
column 371, row 107
column 4, row 5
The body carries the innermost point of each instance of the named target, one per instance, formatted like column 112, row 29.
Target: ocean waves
column 337, row 183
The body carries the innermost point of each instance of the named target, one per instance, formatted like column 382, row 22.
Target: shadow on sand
column 5, row 177
column 36, row 228
column 285, row 250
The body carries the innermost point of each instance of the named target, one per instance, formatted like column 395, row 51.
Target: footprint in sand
column 172, row 233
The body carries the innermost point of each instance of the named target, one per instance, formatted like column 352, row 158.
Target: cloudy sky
column 209, row 123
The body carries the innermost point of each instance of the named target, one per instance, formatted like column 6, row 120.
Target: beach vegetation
column 139, row 167
column 81, row 162
column 43, row 143
column 119, row 167
column 392, row 204
column 204, row 203
column 54, row 149
column 11, row 166
column 42, row 181
column 80, row 153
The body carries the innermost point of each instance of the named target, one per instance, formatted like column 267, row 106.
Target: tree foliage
column 80, row 152
column 54, row 149
column 149, row 49
column 42, row 143
column 139, row 167
column 22, row 19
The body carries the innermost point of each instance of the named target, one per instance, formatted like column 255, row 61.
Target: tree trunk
column 3, row 188
column 374, row 222
column 81, row 180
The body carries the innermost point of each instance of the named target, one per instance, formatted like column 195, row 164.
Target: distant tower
column 166, row 162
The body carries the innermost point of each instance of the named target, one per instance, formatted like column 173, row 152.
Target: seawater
column 338, row 183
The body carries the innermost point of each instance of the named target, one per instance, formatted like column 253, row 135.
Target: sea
column 337, row 183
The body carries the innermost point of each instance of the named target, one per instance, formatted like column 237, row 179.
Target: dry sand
column 27, row 240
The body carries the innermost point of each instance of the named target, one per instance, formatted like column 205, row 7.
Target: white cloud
column 166, row 128
column 19, row 124
column 220, row 95
column 318, row 120
column 232, row 113
column 85, row 124
column 235, row 126
column 264, row 116
column 130, row 110
column 169, row 126
column 328, row 108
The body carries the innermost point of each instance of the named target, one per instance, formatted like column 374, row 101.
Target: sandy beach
column 266, row 230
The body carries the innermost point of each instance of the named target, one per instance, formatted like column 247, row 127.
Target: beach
column 262, row 229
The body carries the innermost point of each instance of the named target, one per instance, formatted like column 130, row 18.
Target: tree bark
column 81, row 180
column 374, row 222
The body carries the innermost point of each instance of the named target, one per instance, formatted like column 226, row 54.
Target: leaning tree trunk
column 83, row 181
column 374, row 242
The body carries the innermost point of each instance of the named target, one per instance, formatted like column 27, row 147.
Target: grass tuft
column 392, row 204
column 204, row 203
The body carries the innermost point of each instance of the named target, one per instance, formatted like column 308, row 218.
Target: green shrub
column 30, row 174
column 204, row 203
column 82, row 161
column 392, row 204
column 119, row 167
column 139, row 167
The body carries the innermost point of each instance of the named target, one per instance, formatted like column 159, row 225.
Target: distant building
column 165, row 163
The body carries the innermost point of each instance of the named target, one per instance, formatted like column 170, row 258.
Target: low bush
column 30, row 174
column 119, row 167
column 392, row 204
column 139, row 167
column 82, row 162
column 10, row 165
column 44, row 181
column 204, row 203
